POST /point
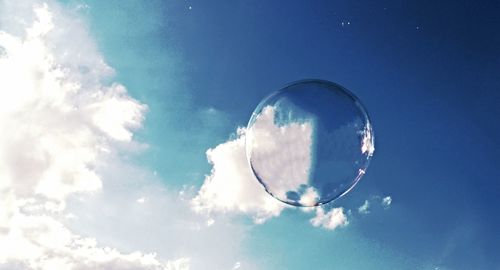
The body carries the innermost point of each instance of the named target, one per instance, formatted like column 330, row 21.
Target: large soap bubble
column 309, row 143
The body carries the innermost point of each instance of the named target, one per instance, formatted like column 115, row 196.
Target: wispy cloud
column 375, row 201
column 364, row 209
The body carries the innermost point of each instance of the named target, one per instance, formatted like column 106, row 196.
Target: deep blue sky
column 428, row 73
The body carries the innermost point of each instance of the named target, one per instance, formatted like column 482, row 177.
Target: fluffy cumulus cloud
column 232, row 187
column 57, row 118
column 330, row 220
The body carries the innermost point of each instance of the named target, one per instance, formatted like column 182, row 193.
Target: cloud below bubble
column 330, row 220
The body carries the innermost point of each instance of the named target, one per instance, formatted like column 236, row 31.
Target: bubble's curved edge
column 361, row 107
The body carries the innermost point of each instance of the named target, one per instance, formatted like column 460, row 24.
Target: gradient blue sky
column 428, row 73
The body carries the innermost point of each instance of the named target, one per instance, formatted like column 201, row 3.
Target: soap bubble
column 309, row 143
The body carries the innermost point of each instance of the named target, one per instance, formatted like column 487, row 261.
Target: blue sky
column 428, row 74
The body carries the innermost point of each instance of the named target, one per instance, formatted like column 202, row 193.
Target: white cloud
column 309, row 197
column 330, row 220
column 41, row 242
column 281, row 155
column 232, row 187
column 164, row 224
column 374, row 202
column 57, row 119
column 364, row 209
column 386, row 202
